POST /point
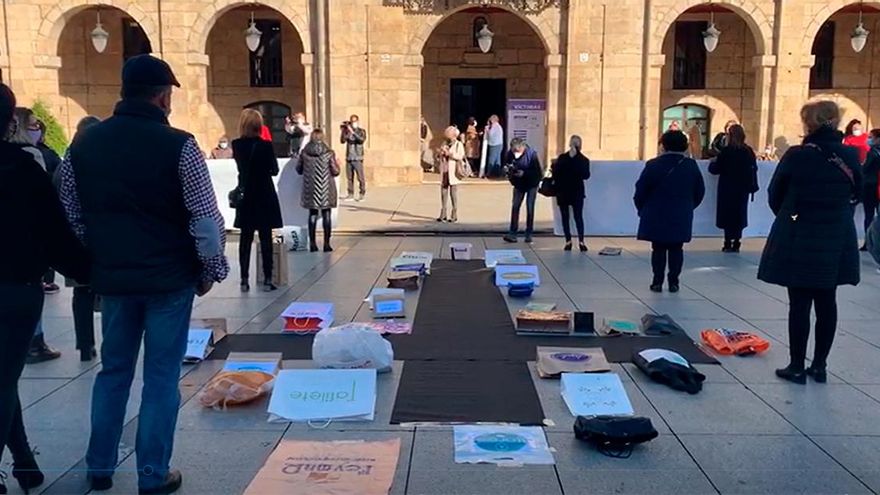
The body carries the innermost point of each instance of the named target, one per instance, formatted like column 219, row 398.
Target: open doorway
column 478, row 98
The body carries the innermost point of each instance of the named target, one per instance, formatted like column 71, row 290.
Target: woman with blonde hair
column 259, row 210
column 452, row 171
column 812, row 247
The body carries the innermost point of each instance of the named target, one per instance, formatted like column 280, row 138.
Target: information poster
column 527, row 119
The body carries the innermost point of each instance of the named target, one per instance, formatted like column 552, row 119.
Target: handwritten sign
column 319, row 395
column 595, row 395
column 197, row 344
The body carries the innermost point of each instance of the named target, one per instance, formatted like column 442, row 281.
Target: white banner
column 527, row 119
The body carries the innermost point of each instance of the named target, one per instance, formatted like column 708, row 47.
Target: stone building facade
column 613, row 72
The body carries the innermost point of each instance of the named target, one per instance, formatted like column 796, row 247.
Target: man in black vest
column 151, row 223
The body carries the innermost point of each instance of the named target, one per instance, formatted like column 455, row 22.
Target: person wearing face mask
column 719, row 142
column 871, row 175
column 298, row 132
column 855, row 137
column 569, row 172
column 353, row 137
column 52, row 160
column 495, row 143
column 524, row 172
column 157, row 239
column 222, row 151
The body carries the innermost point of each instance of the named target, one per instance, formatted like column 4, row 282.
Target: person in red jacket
column 265, row 134
column 855, row 136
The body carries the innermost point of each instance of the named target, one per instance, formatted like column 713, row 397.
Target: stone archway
column 757, row 21
column 201, row 28
column 831, row 7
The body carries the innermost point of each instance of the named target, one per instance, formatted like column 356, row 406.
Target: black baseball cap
column 147, row 70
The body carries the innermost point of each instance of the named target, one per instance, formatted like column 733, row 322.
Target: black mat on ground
column 467, row 392
column 463, row 316
column 290, row 346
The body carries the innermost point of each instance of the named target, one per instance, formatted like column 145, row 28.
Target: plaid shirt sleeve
column 70, row 198
column 206, row 224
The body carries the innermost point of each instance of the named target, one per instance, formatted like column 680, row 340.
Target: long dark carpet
column 467, row 392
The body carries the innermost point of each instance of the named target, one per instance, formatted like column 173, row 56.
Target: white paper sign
column 516, row 274
column 652, row 355
column 476, row 444
column 322, row 395
column 595, row 395
column 496, row 257
column 197, row 344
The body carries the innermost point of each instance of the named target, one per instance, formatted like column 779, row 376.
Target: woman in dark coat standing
column 569, row 172
column 319, row 167
column 812, row 247
column 737, row 171
column 667, row 193
column 871, row 181
column 259, row 210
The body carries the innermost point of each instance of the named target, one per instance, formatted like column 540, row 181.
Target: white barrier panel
column 609, row 208
column 288, row 183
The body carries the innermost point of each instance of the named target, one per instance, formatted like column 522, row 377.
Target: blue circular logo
column 571, row 357
column 500, row 442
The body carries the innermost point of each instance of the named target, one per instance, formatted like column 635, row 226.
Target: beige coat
column 447, row 164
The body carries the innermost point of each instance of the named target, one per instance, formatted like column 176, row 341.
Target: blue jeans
column 530, row 196
column 493, row 160
column 162, row 321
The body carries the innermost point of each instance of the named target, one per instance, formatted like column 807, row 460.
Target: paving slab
column 860, row 455
column 824, row 409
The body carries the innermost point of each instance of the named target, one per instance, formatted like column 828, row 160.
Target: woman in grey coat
column 318, row 166
column 812, row 247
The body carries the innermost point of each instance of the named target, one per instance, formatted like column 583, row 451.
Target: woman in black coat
column 871, row 177
column 667, row 193
column 39, row 237
column 569, row 172
column 812, row 247
column 259, row 210
column 737, row 171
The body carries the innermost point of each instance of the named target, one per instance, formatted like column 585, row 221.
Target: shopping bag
column 599, row 394
column 229, row 388
column 328, row 468
column 352, row 346
column 279, row 262
column 731, row 342
column 460, row 250
column 295, row 237
column 323, row 395
column 307, row 317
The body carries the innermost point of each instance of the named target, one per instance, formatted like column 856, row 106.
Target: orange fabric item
column 731, row 342
column 235, row 387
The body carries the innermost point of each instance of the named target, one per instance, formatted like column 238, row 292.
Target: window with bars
column 822, row 72
column 689, row 60
column 266, row 62
column 134, row 39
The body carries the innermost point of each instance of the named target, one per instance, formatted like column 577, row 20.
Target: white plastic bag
column 295, row 237
column 352, row 346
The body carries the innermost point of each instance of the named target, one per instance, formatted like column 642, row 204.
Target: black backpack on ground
column 676, row 376
column 614, row 436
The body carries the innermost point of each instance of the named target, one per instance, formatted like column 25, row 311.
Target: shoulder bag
column 236, row 196
column 615, row 436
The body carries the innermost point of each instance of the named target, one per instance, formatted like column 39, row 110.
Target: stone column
column 651, row 125
column 764, row 107
column 196, row 90
column 308, row 61
column 553, row 63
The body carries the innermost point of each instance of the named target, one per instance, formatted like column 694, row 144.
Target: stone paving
column 746, row 432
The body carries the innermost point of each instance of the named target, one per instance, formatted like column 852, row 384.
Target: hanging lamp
column 859, row 36
column 252, row 35
column 711, row 34
column 100, row 36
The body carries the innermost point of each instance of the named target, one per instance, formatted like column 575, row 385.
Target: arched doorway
column 460, row 81
column 89, row 80
column 838, row 72
column 236, row 77
column 274, row 115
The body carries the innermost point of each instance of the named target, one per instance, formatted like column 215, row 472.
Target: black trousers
column 84, row 317
column 660, row 253
column 20, row 308
column 565, row 213
column 733, row 234
column 313, row 226
column 800, row 302
column 244, row 252
column 870, row 203
column 356, row 167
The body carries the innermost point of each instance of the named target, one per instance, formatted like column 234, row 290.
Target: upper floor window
column 134, row 39
column 266, row 61
column 689, row 64
column 822, row 72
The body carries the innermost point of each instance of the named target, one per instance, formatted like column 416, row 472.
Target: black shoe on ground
column 734, row 248
column 793, row 375
column 567, row 246
column 245, row 286
column 28, row 475
column 269, row 287
column 819, row 375
column 510, row 238
column 674, row 287
column 101, row 483
column 313, row 248
column 656, row 287
column 727, row 247
column 328, row 248
column 583, row 247
column 528, row 239
column 172, row 483
column 441, row 219
column 86, row 355
column 864, row 247
column 41, row 353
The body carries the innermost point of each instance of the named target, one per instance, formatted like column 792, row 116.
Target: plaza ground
column 746, row 432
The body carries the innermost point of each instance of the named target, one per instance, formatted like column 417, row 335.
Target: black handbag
column 236, row 196
column 615, row 436
column 547, row 187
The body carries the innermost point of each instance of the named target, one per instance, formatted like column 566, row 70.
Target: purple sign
column 539, row 105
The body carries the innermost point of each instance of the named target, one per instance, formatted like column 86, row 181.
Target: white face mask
column 223, row 145
column 355, row 125
column 517, row 154
column 857, row 132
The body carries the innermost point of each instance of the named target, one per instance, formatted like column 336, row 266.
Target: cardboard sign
column 321, row 395
column 197, row 344
column 418, row 257
column 328, row 468
column 507, row 274
column 307, row 317
column 267, row 362
column 495, row 257
column 389, row 306
column 460, row 250
column 595, row 395
column 553, row 361
column 511, row 445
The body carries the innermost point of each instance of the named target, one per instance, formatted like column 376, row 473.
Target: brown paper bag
column 328, row 468
column 553, row 361
column 279, row 262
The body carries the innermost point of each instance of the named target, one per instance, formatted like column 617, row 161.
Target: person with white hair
column 452, row 167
